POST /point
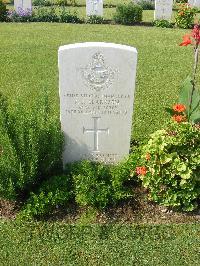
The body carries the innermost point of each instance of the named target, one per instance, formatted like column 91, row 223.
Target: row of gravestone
column 163, row 8
column 93, row 7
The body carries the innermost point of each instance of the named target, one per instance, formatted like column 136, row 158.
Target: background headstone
column 163, row 9
column 94, row 7
column 25, row 5
column 194, row 3
column 96, row 84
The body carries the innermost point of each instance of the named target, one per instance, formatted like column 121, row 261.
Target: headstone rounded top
column 97, row 83
column 98, row 44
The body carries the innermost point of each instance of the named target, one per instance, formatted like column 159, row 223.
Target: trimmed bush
column 46, row 15
column 97, row 184
column 146, row 4
column 42, row 2
column 128, row 14
column 67, row 17
column 52, row 194
column 162, row 23
column 94, row 19
column 3, row 11
column 31, row 145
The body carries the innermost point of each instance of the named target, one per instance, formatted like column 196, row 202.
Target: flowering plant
column 185, row 16
column 20, row 15
column 170, row 166
column 189, row 93
column 170, row 162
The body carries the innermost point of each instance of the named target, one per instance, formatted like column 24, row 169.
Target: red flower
column 179, row 107
column 148, row 156
column 179, row 118
column 196, row 33
column 141, row 170
column 186, row 40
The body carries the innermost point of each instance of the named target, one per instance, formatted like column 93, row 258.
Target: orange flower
column 179, row 118
column 141, row 170
column 186, row 40
column 179, row 108
column 148, row 156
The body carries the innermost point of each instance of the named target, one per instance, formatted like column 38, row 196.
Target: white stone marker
column 194, row 3
column 94, row 7
column 26, row 5
column 163, row 9
column 96, row 85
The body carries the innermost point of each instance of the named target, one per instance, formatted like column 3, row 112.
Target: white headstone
column 94, row 7
column 97, row 83
column 163, row 9
column 25, row 5
column 194, row 3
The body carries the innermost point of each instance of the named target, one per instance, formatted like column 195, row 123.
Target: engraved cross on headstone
column 96, row 132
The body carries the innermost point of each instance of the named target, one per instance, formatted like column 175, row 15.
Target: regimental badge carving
column 97, row 75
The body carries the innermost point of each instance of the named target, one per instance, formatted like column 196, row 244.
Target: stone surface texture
column 94, row 7
column 194, row 3
column 22, row 4
column 96, row 86
column 163, row 9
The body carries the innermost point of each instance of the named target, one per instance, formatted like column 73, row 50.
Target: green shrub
column 128, row 14
column 53, row 193
column 20, row 16
column 43, row 14
column 3, row 11
column 162, row 23
column 185, row 16
column 146, row 4
column 67, row 17
column 94, row 19
column 31, row 145
column 62, row 2
column 42, row 2
column 97, row 184
column 181, row 1
column 171, row 166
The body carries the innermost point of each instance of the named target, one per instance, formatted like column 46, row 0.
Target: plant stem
column 196, row 58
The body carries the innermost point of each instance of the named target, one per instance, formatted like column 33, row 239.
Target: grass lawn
column 28, row 64
column 61, row 244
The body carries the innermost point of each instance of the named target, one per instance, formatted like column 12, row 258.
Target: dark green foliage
column 128, row 14
column 42, row 2
column 43, row 14
column 3, row 11
column 94, row 19
column 46, row 15
column 162, row 23
column 54, row 2
column 31, row 145
column 181, row 1
column 98, row 185
column 172, row 162
column 190, row 97
column 146, row 4
column 67, row 17
column 52, row 193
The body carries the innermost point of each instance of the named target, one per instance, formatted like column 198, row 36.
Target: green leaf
column 185, row 92
column 186, row 95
